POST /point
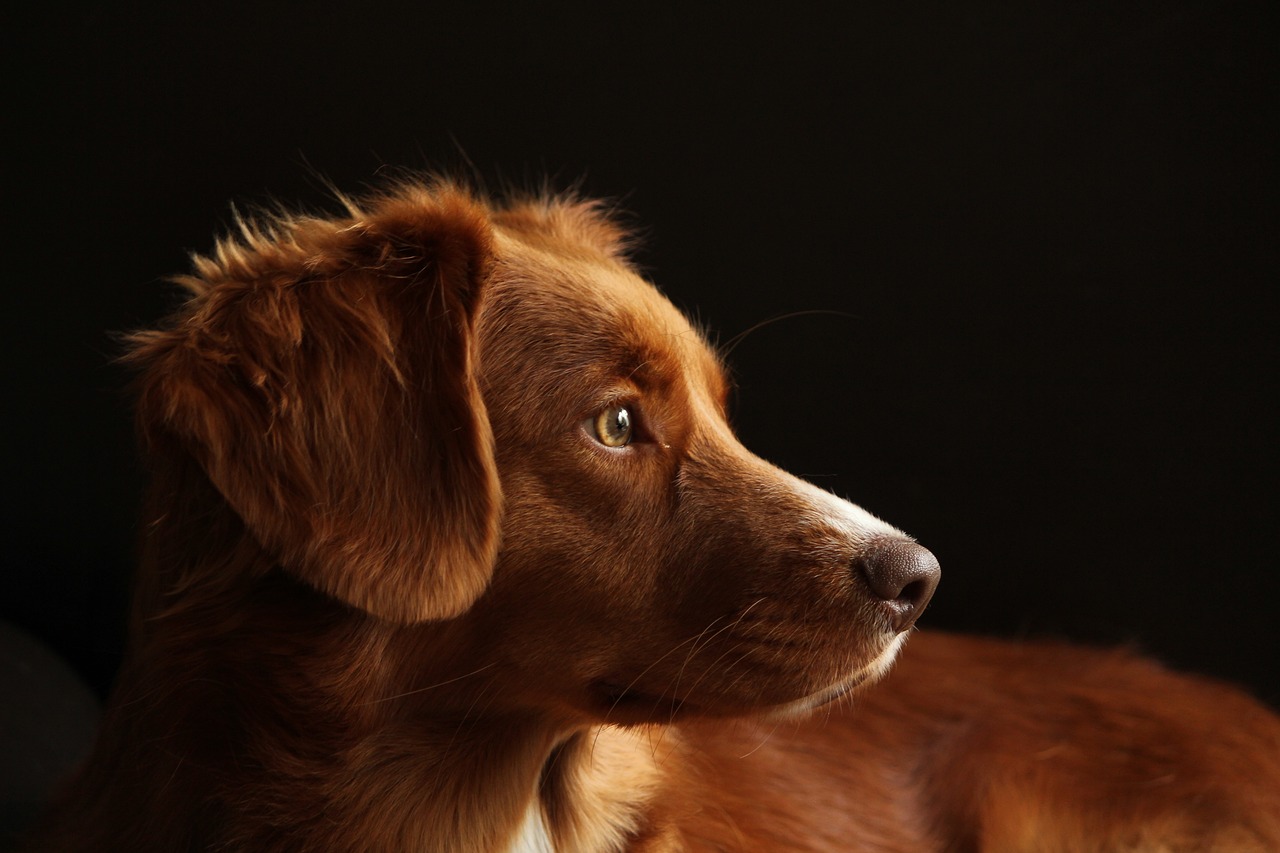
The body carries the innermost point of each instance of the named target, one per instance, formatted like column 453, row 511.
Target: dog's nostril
column 903, row 576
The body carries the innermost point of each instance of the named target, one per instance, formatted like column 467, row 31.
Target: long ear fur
column 322, row 375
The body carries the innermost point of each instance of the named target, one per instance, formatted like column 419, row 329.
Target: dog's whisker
column 732, row 344
column 429, row 687
column 697, row 647
column 743, row 655
column 647, row 669
column 727, row 627
column 694, row 640
column 763, row 740
column 470, row 719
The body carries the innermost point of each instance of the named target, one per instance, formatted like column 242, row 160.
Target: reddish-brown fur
column 394, row 596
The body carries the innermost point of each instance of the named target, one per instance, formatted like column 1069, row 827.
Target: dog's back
column 973, row 744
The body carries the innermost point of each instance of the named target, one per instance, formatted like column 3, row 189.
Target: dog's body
column 450, row 548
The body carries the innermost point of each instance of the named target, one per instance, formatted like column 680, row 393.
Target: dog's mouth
column 618, row 701
column 867, row 675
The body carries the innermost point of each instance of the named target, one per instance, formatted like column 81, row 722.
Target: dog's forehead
column 591, row 317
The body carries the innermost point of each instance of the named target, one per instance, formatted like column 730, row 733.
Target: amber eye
column 614, row 427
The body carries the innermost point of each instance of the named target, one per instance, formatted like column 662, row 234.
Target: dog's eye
column 614, row 426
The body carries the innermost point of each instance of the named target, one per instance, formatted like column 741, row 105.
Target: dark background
column 1049, row 231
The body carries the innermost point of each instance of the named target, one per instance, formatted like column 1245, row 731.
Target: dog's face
column 650, row 565
column 566, row 495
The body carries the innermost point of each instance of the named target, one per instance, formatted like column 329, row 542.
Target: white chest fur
column 532, row 837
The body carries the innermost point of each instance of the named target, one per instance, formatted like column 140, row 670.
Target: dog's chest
column 532, row 837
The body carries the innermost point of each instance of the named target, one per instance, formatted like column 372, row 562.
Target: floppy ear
column 323, row 377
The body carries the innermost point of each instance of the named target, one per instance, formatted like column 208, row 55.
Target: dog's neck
column 515, row 783
column 520, row 792
column 459, row 781
column 592, row 793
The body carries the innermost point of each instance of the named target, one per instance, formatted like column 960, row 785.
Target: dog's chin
column 860, row 679
column 628, row 706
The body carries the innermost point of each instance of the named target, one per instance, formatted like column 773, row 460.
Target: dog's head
column 443, row 413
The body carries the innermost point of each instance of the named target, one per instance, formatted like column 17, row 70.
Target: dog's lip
column 844, row 688
column 825, row 696
column 869, row 674
column 616, row 696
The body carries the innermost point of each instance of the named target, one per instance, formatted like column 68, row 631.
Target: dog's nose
column 903, row 576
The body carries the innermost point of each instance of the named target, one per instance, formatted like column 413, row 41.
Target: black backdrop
column 1047, row 233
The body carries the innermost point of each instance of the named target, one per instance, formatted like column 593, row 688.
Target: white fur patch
column 844, row 515
column 532, row 837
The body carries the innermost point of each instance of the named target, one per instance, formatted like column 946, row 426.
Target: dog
column 449, row 547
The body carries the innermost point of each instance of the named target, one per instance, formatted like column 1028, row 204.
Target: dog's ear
column 323, row 376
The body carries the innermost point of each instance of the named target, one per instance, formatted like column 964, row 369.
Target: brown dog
column 450, row 548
